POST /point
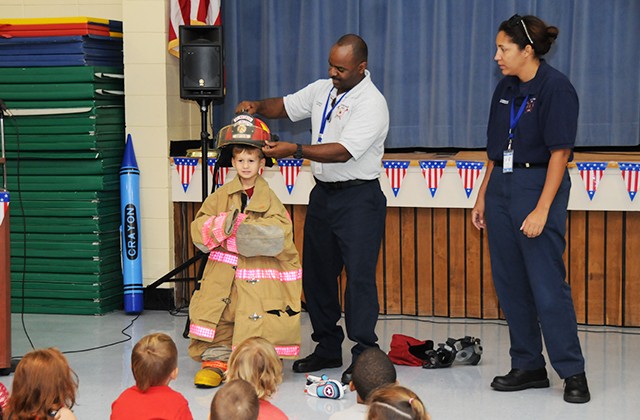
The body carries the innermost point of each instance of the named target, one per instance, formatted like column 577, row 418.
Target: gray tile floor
column 460, row 391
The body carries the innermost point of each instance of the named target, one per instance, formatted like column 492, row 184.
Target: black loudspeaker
column 201, row 62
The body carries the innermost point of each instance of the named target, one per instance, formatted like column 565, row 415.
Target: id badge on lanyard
column 507, row 155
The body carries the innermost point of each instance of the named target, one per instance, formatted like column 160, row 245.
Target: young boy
column 251, row 284
column 154, row 362
column 371, row 370
column 236, row 400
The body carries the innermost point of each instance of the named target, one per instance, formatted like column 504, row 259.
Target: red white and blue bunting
column 630, row 172
column 432, row 171
column 290, row 168
column 186, row 167
column 469, row 171
column 396, row 171
column 221, row 178
column 4, row 204
column 591, row 173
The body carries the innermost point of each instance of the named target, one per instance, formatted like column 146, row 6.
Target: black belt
column 340, row 185
column 524, row 165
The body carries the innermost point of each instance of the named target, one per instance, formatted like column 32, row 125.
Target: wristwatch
column 298, row 153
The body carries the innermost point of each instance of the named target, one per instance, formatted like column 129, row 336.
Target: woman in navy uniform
column 523, row 205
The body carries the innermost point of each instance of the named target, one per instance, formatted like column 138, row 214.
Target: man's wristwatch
column 298, row 153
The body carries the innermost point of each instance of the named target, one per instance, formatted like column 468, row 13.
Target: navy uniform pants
column 529, row 274
column 343, row 228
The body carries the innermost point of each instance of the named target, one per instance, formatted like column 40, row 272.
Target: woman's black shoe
column 519, row 379
column 576, row 389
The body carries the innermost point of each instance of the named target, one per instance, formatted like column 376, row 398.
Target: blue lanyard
column 326, row 117
column 515, row 118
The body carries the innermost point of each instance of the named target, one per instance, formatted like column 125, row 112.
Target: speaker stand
column 199, row 256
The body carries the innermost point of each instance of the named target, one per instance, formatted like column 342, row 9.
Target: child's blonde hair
column 255, row 360
column 43, row 382
column 153, row 360
column 395, row 402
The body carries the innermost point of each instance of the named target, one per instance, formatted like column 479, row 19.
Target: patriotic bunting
column 396, row 171
column 190, row 12
column 222, row 172
column 4, row 205
column 185, row 167
column 290, row 168
column 469, row 172
column 591, row 173
column 629, row 172
column 432, row 171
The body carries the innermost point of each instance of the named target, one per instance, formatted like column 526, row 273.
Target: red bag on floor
column 408, row 351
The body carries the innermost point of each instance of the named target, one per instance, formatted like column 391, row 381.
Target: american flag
column 469, row 171
column 190, row 12
column 221, row 178
column 4, row 204
column 396, row 171
column 185, row 167
column 630, row 172
column 432, row 171
column 591, row 173
column 290, row 168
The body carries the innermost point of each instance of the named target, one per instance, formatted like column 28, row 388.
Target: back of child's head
column 153, row 360
column 236, row 400
column 372, row 369
column 255, row 360
column 43, row 381
column 395, row 402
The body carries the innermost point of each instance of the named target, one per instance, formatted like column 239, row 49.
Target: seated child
column 256, row 361
column 372, row 369
column 252, row 282
column 395, row 402
column 154, row 363
column 44, row 387
column 236, row 400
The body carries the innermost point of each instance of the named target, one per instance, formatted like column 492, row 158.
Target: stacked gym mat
column 62, row 81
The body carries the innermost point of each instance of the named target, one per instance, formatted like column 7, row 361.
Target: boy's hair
column 153, row 359
column 43, row 381
column 236, row 400
column 239, row 148
column 395, row 402
column 372, row 369
column 255, row 360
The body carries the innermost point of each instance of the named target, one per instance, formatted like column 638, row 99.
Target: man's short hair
column 372, row 369
column 359, row 47
column 236, row 400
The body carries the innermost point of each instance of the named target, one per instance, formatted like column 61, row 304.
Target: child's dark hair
column 239, row 148
column 237, row 399
column 372, row 369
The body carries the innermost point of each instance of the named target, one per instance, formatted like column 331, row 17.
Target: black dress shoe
column 576, row 389
column 312, row 362
column 347, row 375
column 519, row 379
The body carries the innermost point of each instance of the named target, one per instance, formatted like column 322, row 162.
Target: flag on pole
column 221, row 178
column 185, row 167
column 432, row 171
column 469, row 171
column 4, row 205
column 630, row 172
column 190, row 12
column 290, row 168
column 591, row 173
column 396, row 171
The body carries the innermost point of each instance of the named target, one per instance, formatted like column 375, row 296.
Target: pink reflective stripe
column 224, row 257
column 207, row 240
column 231, row 244
column 201, row 331
column 272, row 274
column 218, row 227
column 287, row 350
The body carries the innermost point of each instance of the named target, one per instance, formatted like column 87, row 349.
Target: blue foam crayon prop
column 130, row 218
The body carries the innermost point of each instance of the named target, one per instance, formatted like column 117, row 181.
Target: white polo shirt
column 359, row 121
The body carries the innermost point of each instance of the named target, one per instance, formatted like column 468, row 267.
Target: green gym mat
column 93, row 196
column 79, row 279
column 70, row 291
column 58, row 265
column 84, row 127
column 64, row 167
column 68, row 74
column 60, row 91
column 60, row 305
column 65, row 183
column 67, row 154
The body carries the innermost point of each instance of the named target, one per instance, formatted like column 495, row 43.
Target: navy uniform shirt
column 549, row 121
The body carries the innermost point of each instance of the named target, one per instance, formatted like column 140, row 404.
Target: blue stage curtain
column 433, row 61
